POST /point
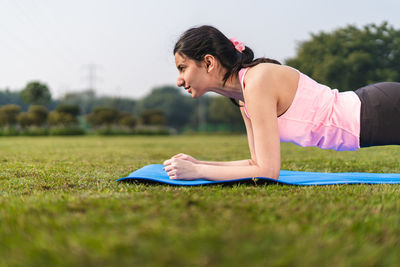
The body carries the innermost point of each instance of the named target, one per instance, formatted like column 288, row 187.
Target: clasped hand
column 182, row 166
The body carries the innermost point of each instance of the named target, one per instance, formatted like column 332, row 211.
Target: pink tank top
column 319, row 116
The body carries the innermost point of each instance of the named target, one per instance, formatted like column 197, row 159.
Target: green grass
column 60, row 206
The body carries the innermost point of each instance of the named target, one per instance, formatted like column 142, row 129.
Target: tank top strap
column 242, row 72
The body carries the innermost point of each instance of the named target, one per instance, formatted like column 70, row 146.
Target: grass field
column 60, row 206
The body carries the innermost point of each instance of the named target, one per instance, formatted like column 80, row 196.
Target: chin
column 196, row 94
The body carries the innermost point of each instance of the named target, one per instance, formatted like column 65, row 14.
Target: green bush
column 71, row 109
column 152, row 117
column 113, row 131
column 103, row 116
column 149, row 131
column 137, row 131
column 25, row 119
column 57, row 118
column 8, row 114
column 67, row 131
column 38, row 115
column 9, row 131
column 35, row 131
column 127, row 120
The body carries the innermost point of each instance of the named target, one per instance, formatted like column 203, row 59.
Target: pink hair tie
column 239, row 46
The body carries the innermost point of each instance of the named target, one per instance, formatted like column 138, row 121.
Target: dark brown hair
column 197, row 42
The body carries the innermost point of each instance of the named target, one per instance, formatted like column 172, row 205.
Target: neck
column 232, row 88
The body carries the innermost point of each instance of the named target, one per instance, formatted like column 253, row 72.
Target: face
column 192, row 77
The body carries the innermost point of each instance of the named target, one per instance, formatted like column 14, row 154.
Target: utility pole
column 91, row 77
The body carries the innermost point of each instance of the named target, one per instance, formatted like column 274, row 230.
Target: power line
column 92, row 77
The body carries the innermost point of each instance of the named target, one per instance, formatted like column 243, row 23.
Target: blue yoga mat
column 155, row 173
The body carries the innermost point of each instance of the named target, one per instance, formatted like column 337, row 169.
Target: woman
column 277, row 103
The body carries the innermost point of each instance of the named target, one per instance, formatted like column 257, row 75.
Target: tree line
column 350, row 57
column 346, row 58
column 163, row 111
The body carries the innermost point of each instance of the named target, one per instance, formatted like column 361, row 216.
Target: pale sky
column 130, row 42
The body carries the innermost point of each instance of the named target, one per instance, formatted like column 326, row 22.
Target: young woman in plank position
column 277, row 103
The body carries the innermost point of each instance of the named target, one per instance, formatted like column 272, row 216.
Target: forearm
column 246, row 162
column 221, row 173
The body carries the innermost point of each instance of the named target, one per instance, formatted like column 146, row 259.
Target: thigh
column 380, row 114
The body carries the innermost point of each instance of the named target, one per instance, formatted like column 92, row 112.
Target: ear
column 210, row 62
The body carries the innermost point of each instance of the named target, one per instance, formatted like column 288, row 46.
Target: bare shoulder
column 269, row 72
column 276, row 82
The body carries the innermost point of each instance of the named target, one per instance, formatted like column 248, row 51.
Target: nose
column 180, row 82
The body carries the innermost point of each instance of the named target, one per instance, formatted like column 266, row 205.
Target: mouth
column 188, row 89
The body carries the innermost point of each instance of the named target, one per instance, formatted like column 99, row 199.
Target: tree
column 64, row 115
column 176, row 107
column 349, row 58
column 221, row 110
column 36, row 93
column 87, row 100
column 9, row 97
column 71, row 109
column 38, row 115
column 8, row 114
column 224, row 115
column 128, row 120
column 152, row 117
column 56, row 118
column 24, row 119
column 103, row 116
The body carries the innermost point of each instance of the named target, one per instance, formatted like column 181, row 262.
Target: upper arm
column 249, row 130
column 261, row 102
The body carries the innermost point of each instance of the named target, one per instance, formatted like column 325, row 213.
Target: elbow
column 252, row 162
column 269, row 169
column 270, row 172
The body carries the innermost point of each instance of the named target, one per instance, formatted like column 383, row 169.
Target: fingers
column 180, row 155
column 168, row 168
column 172, row 174
column 171, row 165
column 169, row 161
column 171, row 171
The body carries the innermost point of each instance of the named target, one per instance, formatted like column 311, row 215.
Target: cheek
column 188, row 78
column 188, row 75
column 194, row 78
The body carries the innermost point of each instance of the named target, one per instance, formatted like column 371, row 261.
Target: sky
column 127, row 44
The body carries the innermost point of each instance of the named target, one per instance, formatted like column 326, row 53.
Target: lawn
column 60, row 206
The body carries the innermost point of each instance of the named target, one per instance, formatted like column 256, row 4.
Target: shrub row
column 69, row 131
